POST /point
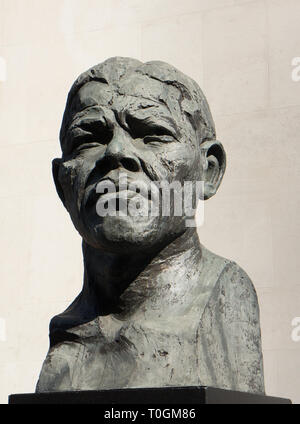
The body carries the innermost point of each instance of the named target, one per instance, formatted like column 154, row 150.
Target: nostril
column 130, row 164
column 106, row 164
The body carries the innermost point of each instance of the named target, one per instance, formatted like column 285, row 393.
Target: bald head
column 117, row 77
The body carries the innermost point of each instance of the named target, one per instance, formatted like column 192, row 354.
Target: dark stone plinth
column 166, row 395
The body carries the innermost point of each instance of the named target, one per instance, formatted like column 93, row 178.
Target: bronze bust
column 157, row 308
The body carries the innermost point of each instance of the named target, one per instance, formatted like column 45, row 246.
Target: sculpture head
column 147, row 121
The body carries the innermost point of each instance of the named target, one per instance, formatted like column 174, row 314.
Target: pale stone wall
column 241, row 54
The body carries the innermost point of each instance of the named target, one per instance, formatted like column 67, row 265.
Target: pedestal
column 166, row 395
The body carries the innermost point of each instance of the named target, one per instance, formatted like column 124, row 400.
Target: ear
column 214, row 165
column 55, row 171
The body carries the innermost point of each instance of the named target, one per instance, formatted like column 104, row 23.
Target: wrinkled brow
column 148, row 113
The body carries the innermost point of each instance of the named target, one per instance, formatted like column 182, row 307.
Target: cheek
column 72, row 176
column 67, row 175
column 180, row 162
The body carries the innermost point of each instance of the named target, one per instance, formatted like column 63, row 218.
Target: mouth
column 120, row 194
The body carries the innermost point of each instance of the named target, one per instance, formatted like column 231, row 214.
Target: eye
column 82, row 140
column 88, row 145
column 148, row 130
column 152, row 134
column 154, row 131
column 88, row 135
column 99, row 131
column 158, row 139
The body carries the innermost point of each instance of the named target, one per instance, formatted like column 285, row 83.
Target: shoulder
column 233, row 287
column 228, row 272
column 229, row 330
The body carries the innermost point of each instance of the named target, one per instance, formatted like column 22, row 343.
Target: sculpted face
column 136, row 129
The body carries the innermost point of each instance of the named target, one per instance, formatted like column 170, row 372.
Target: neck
column 121, row 283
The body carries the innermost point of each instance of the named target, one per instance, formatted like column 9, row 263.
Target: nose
column 120, row 153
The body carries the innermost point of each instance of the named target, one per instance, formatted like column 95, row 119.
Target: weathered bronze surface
column 157, row 308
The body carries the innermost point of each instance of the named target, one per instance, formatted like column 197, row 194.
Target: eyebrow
column 161, row 120
column 164, row 120
column 80, row 117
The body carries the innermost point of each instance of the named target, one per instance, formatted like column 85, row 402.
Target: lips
column 92, row 196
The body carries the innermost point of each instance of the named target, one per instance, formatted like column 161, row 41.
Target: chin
column 125, row 234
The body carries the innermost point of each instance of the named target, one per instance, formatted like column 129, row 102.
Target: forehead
column 134, row 93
